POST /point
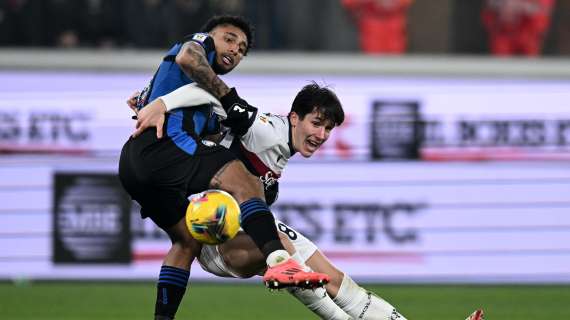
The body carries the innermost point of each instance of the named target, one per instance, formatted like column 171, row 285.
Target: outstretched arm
column 236, row 112
column 152, row 115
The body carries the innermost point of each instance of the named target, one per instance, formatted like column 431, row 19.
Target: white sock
column 320, row 303
column 317, row 300
column 297, row 257
column 361, row 304
column 276, row 257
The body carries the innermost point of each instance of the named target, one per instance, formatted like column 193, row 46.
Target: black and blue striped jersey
column 184, row 127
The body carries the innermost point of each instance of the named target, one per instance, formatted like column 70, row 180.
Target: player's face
column 231, row 45
column 310, row 133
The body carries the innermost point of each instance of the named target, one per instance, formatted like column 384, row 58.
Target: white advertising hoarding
column 458, row 119
column 379, row 221
column 412, row 221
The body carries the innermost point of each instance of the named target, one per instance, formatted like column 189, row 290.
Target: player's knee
column 185, row 249
column 185, row 239
column 243, row 264
column 182, row 240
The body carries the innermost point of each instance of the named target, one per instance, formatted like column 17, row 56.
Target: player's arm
column 189, row 96
column 238, row 115
column 152, row 115
column 192, row 60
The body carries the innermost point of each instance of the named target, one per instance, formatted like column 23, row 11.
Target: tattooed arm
column 192, row 60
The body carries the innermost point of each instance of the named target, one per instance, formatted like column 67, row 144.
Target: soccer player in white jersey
column 265, row 142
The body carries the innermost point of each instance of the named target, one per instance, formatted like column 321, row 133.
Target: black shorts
column 160, row 176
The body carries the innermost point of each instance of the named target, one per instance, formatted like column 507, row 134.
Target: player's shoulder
column 198, row 37
column 201, row 38
column 271, row 119
column 269, row 129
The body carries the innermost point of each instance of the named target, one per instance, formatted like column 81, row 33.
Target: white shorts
column 212, row 261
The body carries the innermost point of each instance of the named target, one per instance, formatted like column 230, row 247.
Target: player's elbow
column 187, row 58
column 184, row 59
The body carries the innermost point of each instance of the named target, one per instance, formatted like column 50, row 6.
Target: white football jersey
column 265, row 148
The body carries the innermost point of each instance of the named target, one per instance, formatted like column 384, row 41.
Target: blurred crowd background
column 501, row 27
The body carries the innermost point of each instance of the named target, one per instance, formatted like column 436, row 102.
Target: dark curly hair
column 237, row 21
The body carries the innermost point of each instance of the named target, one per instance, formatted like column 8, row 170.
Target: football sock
column 170, row 290
column 362, row 304
column 317, row 300
column 276, row 257
column 258, row 222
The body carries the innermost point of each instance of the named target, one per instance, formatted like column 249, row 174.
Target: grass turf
column 94, row 300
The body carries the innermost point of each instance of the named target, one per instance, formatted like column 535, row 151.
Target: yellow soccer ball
column 212, row 217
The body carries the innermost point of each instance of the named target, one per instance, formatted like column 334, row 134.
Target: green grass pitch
column 96, row 300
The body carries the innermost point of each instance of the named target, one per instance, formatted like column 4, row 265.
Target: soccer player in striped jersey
column 161, row 172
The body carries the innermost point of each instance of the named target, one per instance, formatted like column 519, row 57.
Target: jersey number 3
column 238, row 108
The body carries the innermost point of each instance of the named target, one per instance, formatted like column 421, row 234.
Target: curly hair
column 237, row 21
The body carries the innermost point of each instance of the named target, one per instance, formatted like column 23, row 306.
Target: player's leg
column 351, row 298
column 160, row 190
column 256, row 218
column 175, row 270
column 258, row 222
column 241, row 258
column 317, row 300
column 320, row 303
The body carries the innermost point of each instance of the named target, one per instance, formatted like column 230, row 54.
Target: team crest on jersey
column 200, row 37
column 265, row 118
column 268, row 179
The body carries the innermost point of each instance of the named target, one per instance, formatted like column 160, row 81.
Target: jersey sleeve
column 265, row 132
column 191, row 95
column 204, row 40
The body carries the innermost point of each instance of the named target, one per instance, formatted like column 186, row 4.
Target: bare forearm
column 198, row 69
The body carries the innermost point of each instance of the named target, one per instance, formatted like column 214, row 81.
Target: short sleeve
column 265, row 132
column 204, row 40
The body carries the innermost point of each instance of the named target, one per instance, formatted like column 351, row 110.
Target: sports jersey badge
column 200, row 37
column 265, row 118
